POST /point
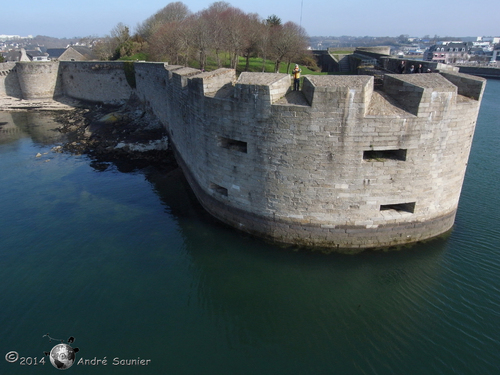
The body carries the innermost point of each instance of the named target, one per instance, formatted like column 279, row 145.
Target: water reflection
column 261, row 295
column 39, row 126
column 170, row 283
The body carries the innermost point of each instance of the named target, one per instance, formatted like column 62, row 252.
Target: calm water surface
column 129, row 265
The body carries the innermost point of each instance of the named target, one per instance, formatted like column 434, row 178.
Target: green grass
column 255, row 64
column 141, row 56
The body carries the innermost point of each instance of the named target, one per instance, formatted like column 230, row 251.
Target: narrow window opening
column 400, row 207
column 383, row 155
column 233, row 144
column 218, row 189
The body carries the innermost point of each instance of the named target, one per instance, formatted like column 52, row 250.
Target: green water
column 129, row 265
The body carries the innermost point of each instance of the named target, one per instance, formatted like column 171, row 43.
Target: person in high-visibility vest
column 296, row 77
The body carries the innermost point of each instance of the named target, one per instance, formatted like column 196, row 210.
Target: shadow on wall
column 12, row 86
column 9, row 83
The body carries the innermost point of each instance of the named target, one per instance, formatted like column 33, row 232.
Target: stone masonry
column 337, row 165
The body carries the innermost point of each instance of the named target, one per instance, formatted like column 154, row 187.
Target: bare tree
column 200, row 36
column 104, row 48
column 174, row 34
column 120, row 33
column 173, row 12
column 287, row 41
column 215, row 21
column 171, row 43
column 163, row 43
column 264, row 42
column 184, row 40
column 252, row 39
column 235, row 21
column 265, row 37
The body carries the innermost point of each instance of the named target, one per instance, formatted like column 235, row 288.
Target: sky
column 68, row 19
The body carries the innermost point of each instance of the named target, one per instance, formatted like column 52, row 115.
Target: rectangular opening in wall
column 233, row 144
column 218, row 189
column 383, row 155
column 400, row 207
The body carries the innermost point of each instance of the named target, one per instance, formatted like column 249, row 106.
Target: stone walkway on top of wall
column 293, row 98
column 383, row 105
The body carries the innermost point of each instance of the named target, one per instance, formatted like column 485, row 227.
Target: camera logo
column 62, row 356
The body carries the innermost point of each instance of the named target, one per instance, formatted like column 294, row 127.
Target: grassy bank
column 255, row 65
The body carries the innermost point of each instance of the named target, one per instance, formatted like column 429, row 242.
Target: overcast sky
column 63, row 18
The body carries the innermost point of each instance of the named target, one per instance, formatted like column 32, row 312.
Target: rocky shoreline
column 127, row 135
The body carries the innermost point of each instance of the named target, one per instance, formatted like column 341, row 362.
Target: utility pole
column 301, row 5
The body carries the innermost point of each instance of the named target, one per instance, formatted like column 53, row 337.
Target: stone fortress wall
column 338, row 165
column 9, row 83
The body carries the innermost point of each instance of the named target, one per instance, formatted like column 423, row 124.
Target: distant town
column 41, row 48
column 481, row 50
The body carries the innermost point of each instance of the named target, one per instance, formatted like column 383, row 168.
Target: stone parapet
column 337, row 165
column 338, row 93
column 416, row 93
column 213, row 83
column 332, row 171
column 481, row 71
column 467, row 85
column 391, row 64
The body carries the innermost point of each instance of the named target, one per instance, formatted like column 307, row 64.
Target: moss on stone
column 129, row 68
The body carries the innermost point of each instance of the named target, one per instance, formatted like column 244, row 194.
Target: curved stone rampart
column 349, row 167
column 9, row 84
column 338, row 165
column 38, row 80
column 95, row 81
column 89, row 81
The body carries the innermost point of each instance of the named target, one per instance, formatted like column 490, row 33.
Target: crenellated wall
column 352, row 167
column 392, row 63
column 337, row 165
